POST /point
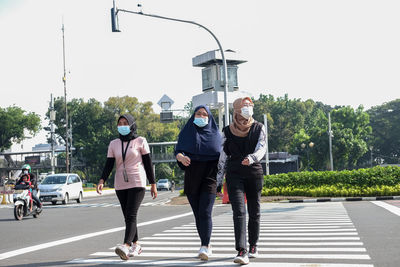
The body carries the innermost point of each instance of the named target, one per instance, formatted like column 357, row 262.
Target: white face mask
column 247, row 112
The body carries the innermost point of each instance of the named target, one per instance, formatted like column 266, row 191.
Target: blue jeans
column 202, row 205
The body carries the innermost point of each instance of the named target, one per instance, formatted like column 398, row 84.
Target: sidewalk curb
column 94, row 193
column 104, row 193
column 337, row 199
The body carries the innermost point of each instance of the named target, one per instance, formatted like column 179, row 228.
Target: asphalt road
column 331, row 234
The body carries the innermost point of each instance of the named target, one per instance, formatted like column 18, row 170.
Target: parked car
column 61, row 187
column 163, row 184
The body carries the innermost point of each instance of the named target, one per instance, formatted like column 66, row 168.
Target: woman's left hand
column 153, row 190
column 246, row 162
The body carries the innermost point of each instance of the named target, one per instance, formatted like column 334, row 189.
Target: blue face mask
column 201, row 122
column 124, row 130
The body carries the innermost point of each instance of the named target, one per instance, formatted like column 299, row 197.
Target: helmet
column 26, row 167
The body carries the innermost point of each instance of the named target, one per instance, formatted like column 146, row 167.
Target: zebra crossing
column 306, row 234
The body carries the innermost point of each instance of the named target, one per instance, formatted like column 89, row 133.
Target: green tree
column 385, row 123
column 95, row 125
column 92, row 129
column 286, row 117
column 164, row 171
column 14, row 121
column 148, row 123
column 351, row 130
column 292, row 122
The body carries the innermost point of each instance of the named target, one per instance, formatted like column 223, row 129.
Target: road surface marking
column 166, row 263
column 81, row 237
column 230, row 255
column 309, row 244
column 391, row 208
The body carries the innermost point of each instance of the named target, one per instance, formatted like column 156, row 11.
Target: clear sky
column 342, row 52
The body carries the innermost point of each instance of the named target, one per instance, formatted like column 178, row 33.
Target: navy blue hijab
column 200, row 143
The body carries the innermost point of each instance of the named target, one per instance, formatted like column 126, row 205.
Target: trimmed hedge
column 376, row 181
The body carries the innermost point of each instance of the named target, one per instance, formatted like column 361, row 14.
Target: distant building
column 47, row 147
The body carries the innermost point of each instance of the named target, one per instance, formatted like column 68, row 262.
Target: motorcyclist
column 172, row 186
column 26, row 169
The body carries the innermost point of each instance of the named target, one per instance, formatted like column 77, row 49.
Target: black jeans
column 130, row 200
column 202, row 204
column 238, row 186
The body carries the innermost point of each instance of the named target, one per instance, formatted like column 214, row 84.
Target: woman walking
column 244, row 145
column 197, row 153
column 131, row 154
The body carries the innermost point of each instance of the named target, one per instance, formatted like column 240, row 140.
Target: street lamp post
column 330, row 133
column 115, row 28
column 371, row 147
column 307, row 148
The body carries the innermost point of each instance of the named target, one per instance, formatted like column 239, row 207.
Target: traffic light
column 114, row 20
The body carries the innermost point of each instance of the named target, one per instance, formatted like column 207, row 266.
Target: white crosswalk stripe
column 88, row 205
column 306, row 234
column 83, row 205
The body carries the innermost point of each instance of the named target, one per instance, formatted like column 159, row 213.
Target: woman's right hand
column 185, row 160
column 99, row 187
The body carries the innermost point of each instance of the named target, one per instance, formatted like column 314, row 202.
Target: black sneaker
column 241, row 257
column 253, row 252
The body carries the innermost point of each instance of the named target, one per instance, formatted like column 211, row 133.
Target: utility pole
column 52, row 119
column 66, row 109
column 330, row 140
column 70, row 136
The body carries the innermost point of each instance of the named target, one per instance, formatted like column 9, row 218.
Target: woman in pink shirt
column 131, row 154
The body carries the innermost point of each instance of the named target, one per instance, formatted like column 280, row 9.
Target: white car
column 163, row 184
column 61, row 187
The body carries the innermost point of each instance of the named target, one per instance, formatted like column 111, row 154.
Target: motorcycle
column 23, row 204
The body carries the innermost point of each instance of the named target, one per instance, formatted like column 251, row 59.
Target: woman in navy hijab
column 197, row 153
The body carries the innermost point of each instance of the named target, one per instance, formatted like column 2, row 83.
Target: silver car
column 61, row 187
column 163, row 184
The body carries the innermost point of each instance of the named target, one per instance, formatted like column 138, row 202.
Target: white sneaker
column 241, row 257
column 205, row 252
column 135, row 250
column 123, row 252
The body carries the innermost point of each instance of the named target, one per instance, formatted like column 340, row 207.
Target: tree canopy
column 14, row 121
column 94, row 125
column 294, row 124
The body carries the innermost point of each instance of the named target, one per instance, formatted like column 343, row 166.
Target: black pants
column 239, row 184
column 130, row 200
column 202, row 205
